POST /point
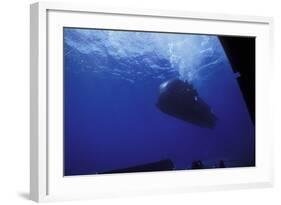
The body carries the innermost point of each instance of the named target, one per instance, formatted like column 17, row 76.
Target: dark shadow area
column 241, row 55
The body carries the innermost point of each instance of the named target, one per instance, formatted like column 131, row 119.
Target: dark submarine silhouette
column 179, row 99
column 162, row 165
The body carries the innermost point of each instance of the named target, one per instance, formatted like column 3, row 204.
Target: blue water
column 111, row 85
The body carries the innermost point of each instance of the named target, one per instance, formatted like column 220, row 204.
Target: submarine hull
column 179, row 99
column 162, row 165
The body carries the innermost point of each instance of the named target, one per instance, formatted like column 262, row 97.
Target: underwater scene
column 138, row 101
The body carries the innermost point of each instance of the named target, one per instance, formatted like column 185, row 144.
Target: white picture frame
column 47, row 182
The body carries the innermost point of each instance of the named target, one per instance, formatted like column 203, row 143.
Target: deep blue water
column 111, row 86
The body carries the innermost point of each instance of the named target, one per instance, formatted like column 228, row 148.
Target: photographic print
column 140, row 101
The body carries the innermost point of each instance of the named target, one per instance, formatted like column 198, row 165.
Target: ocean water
column 111, row 86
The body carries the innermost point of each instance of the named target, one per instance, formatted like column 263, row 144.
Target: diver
column 197, row 164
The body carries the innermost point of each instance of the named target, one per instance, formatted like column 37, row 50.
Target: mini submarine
column 179, row 99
